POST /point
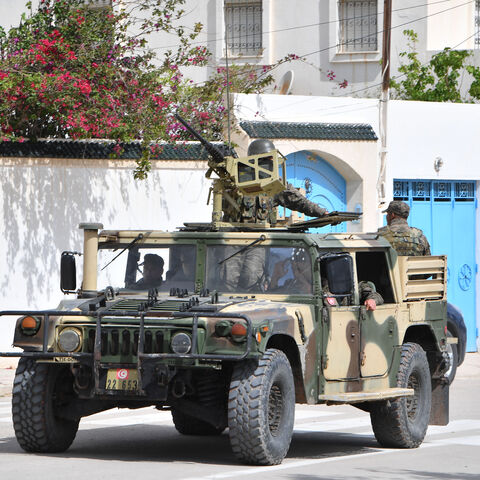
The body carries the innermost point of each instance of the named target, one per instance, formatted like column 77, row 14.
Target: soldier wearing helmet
column 404, row 239
column 291, row 197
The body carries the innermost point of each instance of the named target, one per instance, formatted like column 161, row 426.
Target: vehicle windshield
column 258, row 269
column 144, row 267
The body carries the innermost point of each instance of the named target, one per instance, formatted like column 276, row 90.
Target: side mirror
column 68, row 272
column 339, row 272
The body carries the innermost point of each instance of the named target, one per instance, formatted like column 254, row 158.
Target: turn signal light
column 29, row 322
column 29, row 325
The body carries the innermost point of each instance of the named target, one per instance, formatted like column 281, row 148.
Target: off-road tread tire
column 248, row 404
column 36, row 427
column 187, row 425
column 390, row 422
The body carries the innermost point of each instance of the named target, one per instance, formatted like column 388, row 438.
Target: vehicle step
column 356, row 397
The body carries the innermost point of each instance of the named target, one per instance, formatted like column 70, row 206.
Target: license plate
column 122, row 379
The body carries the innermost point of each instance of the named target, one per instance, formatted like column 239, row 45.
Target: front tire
column 39, row 391
column 403, row 422
column 261, row 409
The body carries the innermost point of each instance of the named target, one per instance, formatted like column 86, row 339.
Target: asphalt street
column 328, row 443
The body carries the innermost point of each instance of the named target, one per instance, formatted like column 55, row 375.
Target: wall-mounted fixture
column 438, row 164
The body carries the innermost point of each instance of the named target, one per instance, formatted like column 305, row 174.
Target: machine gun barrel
column 212, row 150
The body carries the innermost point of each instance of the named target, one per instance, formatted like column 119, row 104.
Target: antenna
column 228, row 82
column 286, row 83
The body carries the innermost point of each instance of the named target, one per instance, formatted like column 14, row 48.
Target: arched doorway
column 321, row 182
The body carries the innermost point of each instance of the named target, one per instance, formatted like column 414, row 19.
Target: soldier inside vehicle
column 152, row 272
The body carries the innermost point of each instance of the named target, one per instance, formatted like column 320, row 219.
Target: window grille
column 442, row 191
column 243, row 27
column 477, row 24
column 465, row 191
column 400, row 190
column 421, row 190
column 358, row 25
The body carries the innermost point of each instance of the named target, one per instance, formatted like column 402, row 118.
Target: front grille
column 122, row 341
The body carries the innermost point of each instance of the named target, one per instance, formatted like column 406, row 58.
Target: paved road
column 328, row 443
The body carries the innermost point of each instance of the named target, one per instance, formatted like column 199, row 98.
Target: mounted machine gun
column 249, row 188
column 245, row 187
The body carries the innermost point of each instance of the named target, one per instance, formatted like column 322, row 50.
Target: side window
column 336, row 272
column 373, row 267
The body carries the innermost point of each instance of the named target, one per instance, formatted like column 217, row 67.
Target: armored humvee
column 236, row 331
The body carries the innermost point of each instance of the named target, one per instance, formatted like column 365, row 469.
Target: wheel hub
column 275, row 409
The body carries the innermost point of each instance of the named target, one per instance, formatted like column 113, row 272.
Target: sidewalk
column 469, row 369
column 7, row 373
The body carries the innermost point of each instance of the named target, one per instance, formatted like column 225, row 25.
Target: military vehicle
column 235, row 328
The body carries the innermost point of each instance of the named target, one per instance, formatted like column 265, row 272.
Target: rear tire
column 261, row 409
column 187, row 425
column 403, row 422
column 39, row 390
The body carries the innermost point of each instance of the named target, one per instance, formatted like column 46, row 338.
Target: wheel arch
column 424, row 336
column 288, row 346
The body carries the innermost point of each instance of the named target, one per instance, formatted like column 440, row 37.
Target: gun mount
column 245, row 187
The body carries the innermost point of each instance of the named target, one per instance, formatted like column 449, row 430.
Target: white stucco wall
column 453, row 28
column 42, row 201
column 419, row 132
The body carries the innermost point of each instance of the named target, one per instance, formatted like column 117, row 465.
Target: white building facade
column 337, row 39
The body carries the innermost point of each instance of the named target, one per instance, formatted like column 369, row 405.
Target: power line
column 381, row 31
column 298, row 27
column 353, row 107
column 396, row 77
column 376, row 33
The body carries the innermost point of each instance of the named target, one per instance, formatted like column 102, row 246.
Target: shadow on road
column 148, row 443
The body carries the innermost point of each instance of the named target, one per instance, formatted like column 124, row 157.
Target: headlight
column 181, row 343
column 69, row 340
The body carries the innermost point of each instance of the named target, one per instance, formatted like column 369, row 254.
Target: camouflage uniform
column 291, row 198
column 367, row 291
column 247, row 270
column 404, row 239
column 244, row 271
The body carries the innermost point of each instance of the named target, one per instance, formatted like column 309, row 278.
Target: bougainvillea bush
column 73, row 71
column 69, row 71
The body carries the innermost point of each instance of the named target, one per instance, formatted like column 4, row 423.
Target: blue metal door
column 321, row 182
column 445, row 211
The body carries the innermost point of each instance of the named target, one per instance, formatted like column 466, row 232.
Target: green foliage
column 436, row 81
column 69, row 71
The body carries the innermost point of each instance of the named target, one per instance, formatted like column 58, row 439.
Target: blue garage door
column 445, row 211
column 321, row 182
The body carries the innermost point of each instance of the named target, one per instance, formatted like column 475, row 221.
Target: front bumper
column 145, row 361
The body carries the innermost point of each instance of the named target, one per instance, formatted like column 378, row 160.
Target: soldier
column 404, row 239
column 247, row 270
column 152, row 272
column 290, row 198
column 367, row 291
column 301, row 270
